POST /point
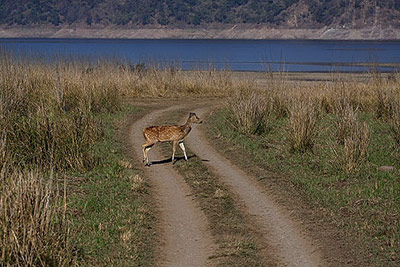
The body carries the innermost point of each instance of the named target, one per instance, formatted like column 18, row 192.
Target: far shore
column 256, row 32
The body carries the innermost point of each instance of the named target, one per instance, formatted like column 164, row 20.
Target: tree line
column 182, row 12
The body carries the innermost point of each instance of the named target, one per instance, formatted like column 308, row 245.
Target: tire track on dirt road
column 186, row 239
column 290, row 244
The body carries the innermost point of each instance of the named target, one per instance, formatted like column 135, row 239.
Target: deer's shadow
column 169, row 160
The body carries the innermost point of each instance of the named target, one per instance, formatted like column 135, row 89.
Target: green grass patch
column 110, row 206
column 365, row 203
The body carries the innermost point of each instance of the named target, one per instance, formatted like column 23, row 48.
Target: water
column 243, row 55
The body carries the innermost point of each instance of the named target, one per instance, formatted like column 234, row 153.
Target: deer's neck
column 187, row 127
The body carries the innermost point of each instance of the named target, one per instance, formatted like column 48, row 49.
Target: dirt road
column 186, row 239
column 292, row 247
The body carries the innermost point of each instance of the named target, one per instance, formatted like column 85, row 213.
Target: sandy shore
column 209, row 32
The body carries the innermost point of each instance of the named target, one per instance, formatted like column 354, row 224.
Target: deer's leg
column 146, row 147
column 173, row 150
column 144, row 152
column 182, row 146
column 147, row 157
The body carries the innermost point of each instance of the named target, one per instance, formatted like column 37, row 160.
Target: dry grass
column 138, row 183
column 250, row 109
column 347, row 119
column 172, row 83
column 355, row 146
column 387, row 98
column 358, row 132
column 253, row 110
column 352, row 134
column 33, row 228
column 37, row 109
column 395, row 123
column 303, row 116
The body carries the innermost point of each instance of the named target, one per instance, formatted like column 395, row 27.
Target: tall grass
column 250, row 109
column 387, row 98
column 47, row 123
column 356, row 147
column 253, row 109
column 352, row 134
column 395, row 123
column 47, row 120
column 347, row 119
column 33, row 228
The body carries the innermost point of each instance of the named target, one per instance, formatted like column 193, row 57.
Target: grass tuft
column 395, row 124
column 387, row 98
column 250, row 109
column 352, row 134
column 302, row 124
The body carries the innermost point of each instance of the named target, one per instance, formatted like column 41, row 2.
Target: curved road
column 186, row 239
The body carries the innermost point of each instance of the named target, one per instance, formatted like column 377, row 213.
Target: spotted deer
column 168, row 133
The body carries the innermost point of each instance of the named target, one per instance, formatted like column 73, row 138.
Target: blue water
column 244, row 55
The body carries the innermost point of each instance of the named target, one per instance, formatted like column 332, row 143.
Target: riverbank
column 199, row 32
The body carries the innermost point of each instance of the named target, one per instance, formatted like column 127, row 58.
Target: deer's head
column 194, row 119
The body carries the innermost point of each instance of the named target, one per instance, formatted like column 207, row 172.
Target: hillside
column 198, row 15
column 282, row 13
